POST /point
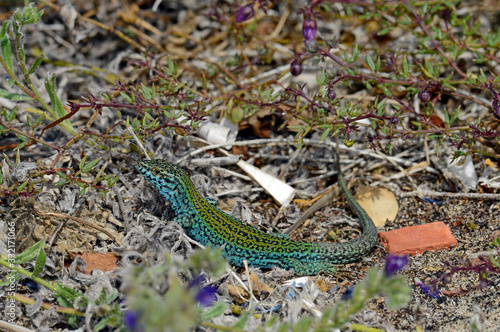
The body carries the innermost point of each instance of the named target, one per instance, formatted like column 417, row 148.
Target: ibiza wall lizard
column 207, row 224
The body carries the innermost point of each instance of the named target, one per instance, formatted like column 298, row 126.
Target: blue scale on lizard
column 207, row 224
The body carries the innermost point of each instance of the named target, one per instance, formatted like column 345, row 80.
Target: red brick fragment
column 414, row 240
column 103, row 262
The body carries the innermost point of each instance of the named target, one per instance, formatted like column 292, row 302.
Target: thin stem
column 27, row 78
column 4, row 262
column 434, row 42
column 29, row 301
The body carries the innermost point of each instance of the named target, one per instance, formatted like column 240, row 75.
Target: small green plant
column 410, row 86
column 31, row 128
column 495, row 243
column 71, row 302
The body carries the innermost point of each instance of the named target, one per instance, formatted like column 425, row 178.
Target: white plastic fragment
column 279, row 190
column 297, row 282
column 465, row 172
column 490, row 178
column 215, row 133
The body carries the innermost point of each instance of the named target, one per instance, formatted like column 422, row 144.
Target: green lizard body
column 207, row 224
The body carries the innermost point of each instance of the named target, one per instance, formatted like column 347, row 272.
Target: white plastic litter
column 465, row 172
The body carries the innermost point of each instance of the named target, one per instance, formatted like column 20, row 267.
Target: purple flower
column 196, row 282
column 206, row 295
column 296, row 68
column 427, row 290
column 245, row 13
column 395, row 263
column 309, row 29
column 496, row 106
column 131, row 318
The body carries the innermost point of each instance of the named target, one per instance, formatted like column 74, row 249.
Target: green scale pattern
column 207, row 224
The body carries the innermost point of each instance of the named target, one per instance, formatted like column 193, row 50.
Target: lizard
column 204, row 222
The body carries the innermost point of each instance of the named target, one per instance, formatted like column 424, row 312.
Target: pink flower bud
column 309, row 29
column 244, row 13
column 296, row 68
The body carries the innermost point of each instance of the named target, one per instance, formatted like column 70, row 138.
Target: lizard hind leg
column 211, row 201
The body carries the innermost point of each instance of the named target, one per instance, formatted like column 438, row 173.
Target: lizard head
column 170, row 180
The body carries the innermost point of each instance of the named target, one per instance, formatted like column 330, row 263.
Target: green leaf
column 425, row 8
column 296, row 127
column 214, row 311
column 67, row 294
column 321, row 79
column 350, row 72
column 126, row 97
column 21, row 146
column 474, row 28
column 62, row 175
column 381, row 107
column 405, row 66
column 455, row 114
column 12, row 115
column 21, row 52
column 50, row 85
column 446, row 117
column 346, row 56
column 40, row 264
column 5, row 25
column 112, row 181
column 82, row 162
column 370, row 62
column 325, row 134
column 98, row 177
column 147, row 93
column 483, row 76
column 384, row 31
column 171, row 67
column 38, row 121
column 386, row 91
column 88, row 167
column 429, row 68
column 6, row 51
column 63, row 302
column 30, row 253
column 36, row 63
column 355, row 53
column 60, row 182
